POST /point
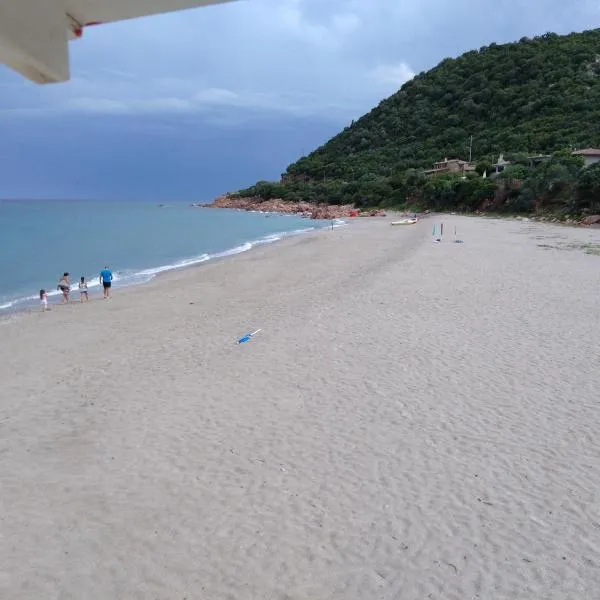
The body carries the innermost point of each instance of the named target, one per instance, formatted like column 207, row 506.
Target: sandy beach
column 414, row 421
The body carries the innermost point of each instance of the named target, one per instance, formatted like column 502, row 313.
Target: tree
column 472, row 192
column 483, row 166
column 515, row 172
column 587, row 194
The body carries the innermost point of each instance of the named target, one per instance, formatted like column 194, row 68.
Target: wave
column 137, row 277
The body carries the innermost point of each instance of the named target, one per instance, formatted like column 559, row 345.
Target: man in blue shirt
column 106, row 281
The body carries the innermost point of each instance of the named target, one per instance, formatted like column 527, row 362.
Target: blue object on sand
column 248, row 337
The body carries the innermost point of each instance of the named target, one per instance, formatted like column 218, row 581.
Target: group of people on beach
column 64, row 286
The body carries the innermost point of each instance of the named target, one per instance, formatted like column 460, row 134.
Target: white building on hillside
column 590, row 155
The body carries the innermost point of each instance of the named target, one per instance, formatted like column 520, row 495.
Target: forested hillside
column 536, row 96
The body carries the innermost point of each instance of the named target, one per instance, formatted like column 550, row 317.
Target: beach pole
column 248, row 336
column 442, row 230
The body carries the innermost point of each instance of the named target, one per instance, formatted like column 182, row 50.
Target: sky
column 188, row 105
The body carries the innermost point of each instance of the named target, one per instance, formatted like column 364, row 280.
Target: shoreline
column 31, row 305
column 10, row 316
column 328, row 211
column 96, row 292
column 163, row 276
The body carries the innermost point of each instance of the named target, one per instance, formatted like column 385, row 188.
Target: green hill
column 536, row 96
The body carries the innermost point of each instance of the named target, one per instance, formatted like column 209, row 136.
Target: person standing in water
column 106, row 278
column 83, row 291
column 43, row 300
column 64, row 285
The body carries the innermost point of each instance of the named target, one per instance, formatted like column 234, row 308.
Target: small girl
column 43, row 300
column 83, row 291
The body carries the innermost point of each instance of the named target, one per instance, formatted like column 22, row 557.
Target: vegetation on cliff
column 536, row 96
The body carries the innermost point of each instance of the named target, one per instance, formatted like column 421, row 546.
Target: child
column 43, row 300
column 83, row 291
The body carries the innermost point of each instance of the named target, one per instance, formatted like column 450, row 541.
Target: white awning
column 34, row 34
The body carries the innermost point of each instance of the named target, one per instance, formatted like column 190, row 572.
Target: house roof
column 451, row 160
column 587, row 152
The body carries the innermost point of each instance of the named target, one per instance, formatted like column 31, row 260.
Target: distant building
column 454, row 165
column 500, row 165
column 590, row 156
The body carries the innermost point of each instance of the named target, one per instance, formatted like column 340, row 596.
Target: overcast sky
column 191, row 104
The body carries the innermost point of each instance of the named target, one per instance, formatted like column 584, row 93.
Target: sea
column 40, row 240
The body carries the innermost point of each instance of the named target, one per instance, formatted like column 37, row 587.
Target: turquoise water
column 40, row 240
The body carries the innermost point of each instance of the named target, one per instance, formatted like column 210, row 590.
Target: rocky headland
column 306, row 209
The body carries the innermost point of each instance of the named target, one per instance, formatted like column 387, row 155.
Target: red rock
column 591, row 220
column 306, row 209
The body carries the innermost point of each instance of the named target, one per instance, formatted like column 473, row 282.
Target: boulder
column 591, row 220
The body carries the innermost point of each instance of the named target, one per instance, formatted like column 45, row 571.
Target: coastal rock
column 372, row 213
column 591, row 220
column 278, row 205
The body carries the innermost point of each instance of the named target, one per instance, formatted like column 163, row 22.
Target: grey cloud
column 334, row 59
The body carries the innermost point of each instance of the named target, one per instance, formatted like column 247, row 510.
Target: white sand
column 416, row 421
